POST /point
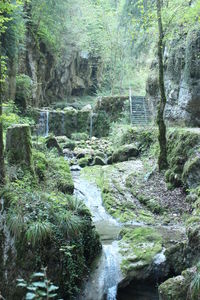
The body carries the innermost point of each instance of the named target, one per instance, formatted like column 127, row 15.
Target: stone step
column 140, row 111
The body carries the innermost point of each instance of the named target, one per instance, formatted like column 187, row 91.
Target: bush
column 23, row 91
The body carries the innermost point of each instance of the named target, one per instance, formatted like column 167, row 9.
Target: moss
column 84, row 161
column 145, row 216
column 79, row 136
column 191, row 174
column 193, row 220
column 40, row 164
column 181, row 145
column 50, row 228
column 19, row 153
column 61, row 174
column 124, row 153
column 139, row 245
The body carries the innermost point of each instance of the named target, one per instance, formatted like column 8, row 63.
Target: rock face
column 18, row 145
column 54, row 77
column 182, row 80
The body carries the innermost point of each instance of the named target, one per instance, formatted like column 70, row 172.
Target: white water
column 107, row 274
column 160, row 258
column 43, row 124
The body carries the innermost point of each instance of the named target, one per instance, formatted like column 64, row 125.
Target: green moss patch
column 138, row 247
column 181, row 147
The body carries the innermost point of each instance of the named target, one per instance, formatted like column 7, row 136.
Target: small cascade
column 106, row 274
column 112, row 270
column 160, row 267
column 160, row 258
column 43, row 124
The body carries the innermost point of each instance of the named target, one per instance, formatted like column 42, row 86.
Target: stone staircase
column 140, row 113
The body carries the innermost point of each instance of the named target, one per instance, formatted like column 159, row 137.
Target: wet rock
column 19, row 145
column 98, row 161
column 124, row 153
column 109, row 160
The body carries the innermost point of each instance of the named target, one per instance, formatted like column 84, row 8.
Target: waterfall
column 43, row 124
column 112, row 270
column 106, row 274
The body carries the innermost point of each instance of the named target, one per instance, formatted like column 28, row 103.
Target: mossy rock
column 124, row 153
column 181, row 149
column 19, row 146
column 142, row 243
column 84, row 161
column 51, row 142
column 177, row 288
column 99, row 161
column 191, row 173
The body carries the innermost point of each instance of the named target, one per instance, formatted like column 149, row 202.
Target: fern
column 38, row 231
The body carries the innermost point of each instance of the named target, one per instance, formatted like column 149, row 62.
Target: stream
column 106, row 273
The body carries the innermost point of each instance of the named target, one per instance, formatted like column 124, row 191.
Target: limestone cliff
column 55, row 76
column 182, row 80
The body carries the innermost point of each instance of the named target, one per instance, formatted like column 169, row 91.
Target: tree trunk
column 2, row 163
column 162, row 160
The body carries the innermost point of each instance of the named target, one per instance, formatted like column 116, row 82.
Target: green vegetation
column 181, row 147
column 143, row 244
column 42, row 215
column 195, row 284
column 39, row 287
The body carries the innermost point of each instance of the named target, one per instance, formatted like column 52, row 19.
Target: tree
column 2, row 163
column 162, row 159
column 6, row 8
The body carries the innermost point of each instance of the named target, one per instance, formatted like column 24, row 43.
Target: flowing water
column 106, row 273
column 43, row 124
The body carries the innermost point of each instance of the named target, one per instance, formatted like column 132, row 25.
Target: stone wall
column 182, row 80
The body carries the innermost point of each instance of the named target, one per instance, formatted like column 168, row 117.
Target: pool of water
column 139, row 291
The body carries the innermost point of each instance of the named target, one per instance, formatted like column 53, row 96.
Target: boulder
column 99, row 161
column 19, row 145
column 124, row 153
column 84, row 161
column 52, row 142
column 191, row 174
column 177, row 288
